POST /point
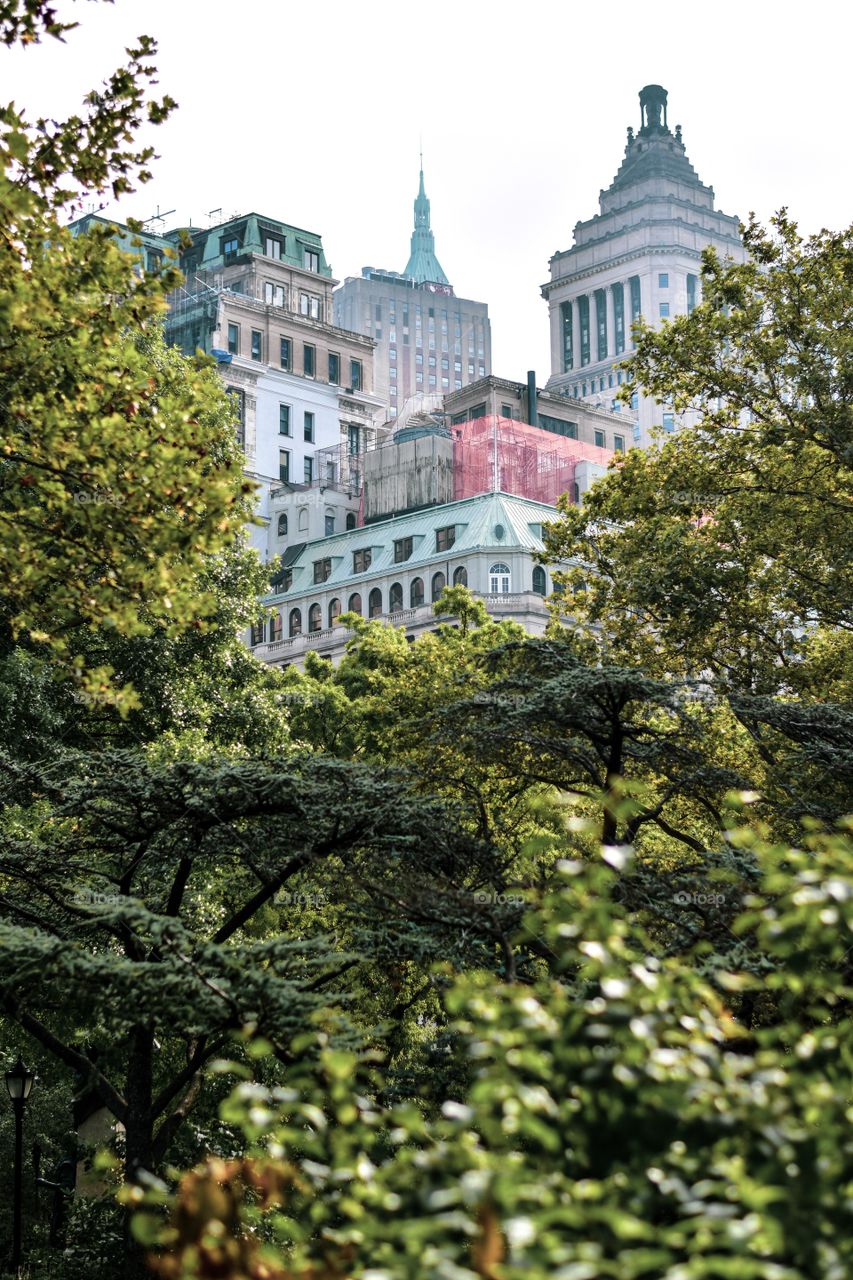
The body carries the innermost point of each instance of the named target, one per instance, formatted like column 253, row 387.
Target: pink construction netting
column 499, row 453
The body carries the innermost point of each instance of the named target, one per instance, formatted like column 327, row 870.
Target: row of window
column 284, row 422
column 303, row 522
column 592, row 319
column 362, row 557
column 275, row 246
column 309, row 357
column 499, row 584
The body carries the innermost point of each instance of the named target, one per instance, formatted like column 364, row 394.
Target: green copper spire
column 423, row 266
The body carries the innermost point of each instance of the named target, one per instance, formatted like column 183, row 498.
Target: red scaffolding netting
column 494, row 453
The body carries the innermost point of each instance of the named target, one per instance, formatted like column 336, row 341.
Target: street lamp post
column 19, row 1084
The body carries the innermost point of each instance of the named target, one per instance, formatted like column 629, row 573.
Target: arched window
column 303, row 520
column 315, row 618
column 275, row 626
column 282, row 524
column 354, row 603
column 374, row 603
column 395, row 597
column 350, row 519
column 499, row 578
column 539, row 580
column 295, row 623
column 438, row 585
column 416, row 592
column 460, row 576
column 334, row 611
column 257, row 632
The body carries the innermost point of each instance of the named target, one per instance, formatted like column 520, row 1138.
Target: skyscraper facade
column 639, row 256
column 428, row 340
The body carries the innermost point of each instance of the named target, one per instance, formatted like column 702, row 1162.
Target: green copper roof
column 423, row 266
column 496, row 522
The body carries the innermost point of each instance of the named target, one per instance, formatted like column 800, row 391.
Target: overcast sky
column 312, row 113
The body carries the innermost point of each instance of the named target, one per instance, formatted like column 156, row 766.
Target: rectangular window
column 669, row 421
column 257, row 345
column 355, row 374
column 230, row 248
column 274, row 295
column 334, row 369
column 234, row 339
column 308, row 354
column 311, row 260
column 445, row 538
column 583, row 320
column 566, row 332
column 308, row 426
column 601, row 323
column 618, row 318
column 330, row 524
column 284, row 352
column 619, row 444
column 663, row 280
column 664, row 310
column 322, row 569
column 506, row 411
column 284, row 466
column 284, row 419
column 272, row 247
column 402, row 549
column 353, row 439
column 309, row 470
column 309, row 305
column 558, row 426
column 238, row 400
column 361, row 559
column 692, row 282
column 599, row 440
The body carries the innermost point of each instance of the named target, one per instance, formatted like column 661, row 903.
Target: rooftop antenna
column 157, row 217
column 211, row 212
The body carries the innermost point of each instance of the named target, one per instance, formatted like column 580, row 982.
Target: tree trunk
column 139, row 1138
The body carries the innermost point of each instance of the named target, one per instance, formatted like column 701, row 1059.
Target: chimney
column 532, row 414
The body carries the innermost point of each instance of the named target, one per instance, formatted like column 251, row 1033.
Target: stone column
column 576, row 335
column 611, row 322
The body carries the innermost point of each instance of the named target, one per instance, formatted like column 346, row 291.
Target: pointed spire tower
column 423, row 266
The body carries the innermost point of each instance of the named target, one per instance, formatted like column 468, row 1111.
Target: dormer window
column 230, row 248
column 311, row 260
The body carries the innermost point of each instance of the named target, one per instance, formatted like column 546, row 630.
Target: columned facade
column 639, row 256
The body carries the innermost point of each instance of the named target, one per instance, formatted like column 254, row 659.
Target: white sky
column 312, row 113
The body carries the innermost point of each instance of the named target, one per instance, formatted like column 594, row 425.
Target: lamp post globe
column 19, row 1085
column 19, row 1082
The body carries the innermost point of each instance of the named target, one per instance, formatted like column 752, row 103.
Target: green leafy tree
column 119, row 472
column 728, row 548
column 619, row 1121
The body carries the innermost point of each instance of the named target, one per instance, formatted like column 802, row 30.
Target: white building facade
column 395, row 569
